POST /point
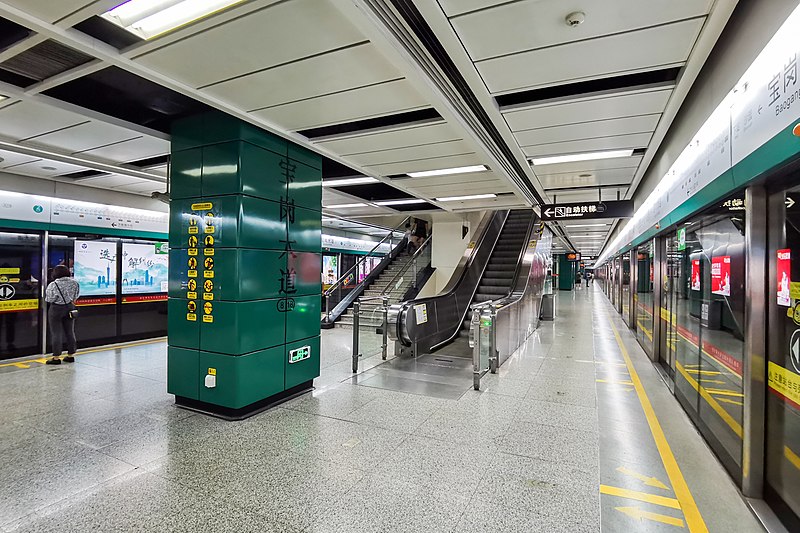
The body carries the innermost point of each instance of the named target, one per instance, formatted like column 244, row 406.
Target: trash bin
column 548, row 307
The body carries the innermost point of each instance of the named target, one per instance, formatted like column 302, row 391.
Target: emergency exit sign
column 299, row 354
column 588, row 210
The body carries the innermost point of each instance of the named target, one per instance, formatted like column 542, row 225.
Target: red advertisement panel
column 721, row 275
column 695, row 274
column 784, row 277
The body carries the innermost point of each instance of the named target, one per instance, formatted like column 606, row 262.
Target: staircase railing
column 337, row 286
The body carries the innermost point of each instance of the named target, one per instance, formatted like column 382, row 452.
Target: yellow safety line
column 665, row 501
column 725, row 392
column 693, row 517
column 791, row 457
column 734, row 425
column 84, row 352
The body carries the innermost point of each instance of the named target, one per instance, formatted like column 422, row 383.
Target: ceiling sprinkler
column 575, row 19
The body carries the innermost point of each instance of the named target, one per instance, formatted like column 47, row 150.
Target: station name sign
column 588, row 210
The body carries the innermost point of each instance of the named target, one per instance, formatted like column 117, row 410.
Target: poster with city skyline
column 95, row 267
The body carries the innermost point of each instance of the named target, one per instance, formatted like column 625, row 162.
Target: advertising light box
column 784, row 277
column 144, row 268
column 721, row 275
column 95, row 267
column 695, row 274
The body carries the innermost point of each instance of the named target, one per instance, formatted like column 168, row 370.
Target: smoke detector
column 575, row 19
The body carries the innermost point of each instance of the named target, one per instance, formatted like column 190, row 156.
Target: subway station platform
column 577, row 432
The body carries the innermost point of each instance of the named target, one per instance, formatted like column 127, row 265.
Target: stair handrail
column 343, row 277
column 408, row 263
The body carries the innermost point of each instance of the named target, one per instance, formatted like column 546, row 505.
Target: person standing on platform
column 61, row 294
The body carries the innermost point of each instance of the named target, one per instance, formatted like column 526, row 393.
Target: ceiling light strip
column 467, row 197
column 348, row 181
column 576, row 158
column 447, row 171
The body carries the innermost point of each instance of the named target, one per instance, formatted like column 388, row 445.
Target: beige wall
column 448, row 247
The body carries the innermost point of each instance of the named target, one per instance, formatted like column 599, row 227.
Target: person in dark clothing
column 419, row 232
column 61, row 294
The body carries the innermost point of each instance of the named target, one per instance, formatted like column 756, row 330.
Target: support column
column 245, row 263
column 566, row 273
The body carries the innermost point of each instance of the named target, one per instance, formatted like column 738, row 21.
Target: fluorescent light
column 585, row 225
column 348, row 181
column 574, row 158
column 150, row 18
column 3, row 97
column 402, row 202
column 468, row 197
column 447, row 171
column 343, row 206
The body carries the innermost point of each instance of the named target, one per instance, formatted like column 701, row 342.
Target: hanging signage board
column 695, row 274
column 573, row 256
column 784, row 277
column 588, row 210
column 681, row 239
column 721, row 275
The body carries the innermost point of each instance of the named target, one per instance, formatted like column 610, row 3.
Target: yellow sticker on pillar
column 204, row 206
column 208, row 309
column 208, row 240
column 193, row 241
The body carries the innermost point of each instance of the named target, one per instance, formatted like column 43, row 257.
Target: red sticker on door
column 784, row 277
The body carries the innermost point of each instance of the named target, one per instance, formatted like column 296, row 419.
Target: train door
column 782, row 435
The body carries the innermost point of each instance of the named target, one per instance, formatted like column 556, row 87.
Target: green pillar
column 245, row 263
column 566, row 273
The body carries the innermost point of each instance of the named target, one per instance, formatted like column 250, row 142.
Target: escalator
column 498, row 277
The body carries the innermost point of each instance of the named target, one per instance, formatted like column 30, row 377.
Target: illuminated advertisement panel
column 695, row 274
column 784, row 277
column 721, row 275
column 95, row 267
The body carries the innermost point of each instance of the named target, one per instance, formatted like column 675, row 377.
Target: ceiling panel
column 428, row 164
column 132, row 150
column 145, row 187
column 250, row 43
column 437, row 191
column 456, row 7
column 387, row 98
column 642, row 103
column 589, row 166
column 589, row 179
column 391, row 139
column 44, row 168
column 536, row 24
column 109, row 181
column 588, row 130
column 338, row 71
column 411, row 153
column 26, row 119
column 638, row 140
column 616, row 54
column 50, row 10
column 11, row 158
column 453, row 179
column 84, row 137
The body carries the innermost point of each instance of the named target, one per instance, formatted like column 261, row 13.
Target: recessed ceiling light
column 343, row 206
column 447, row 171
column 467, row 197
column 348, row 181
column 49, row 168
column 574, row 158
column 151, row 18
column 584, row 225
column 402, row 202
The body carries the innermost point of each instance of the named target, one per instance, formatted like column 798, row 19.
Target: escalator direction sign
column 588, row 210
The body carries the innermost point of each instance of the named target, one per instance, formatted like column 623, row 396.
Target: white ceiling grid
column 294, row 65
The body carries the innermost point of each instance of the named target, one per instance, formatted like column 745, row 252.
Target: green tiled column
column 245, row 263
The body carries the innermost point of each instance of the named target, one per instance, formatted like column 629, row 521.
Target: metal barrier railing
column 483, row 341
column 371, row 324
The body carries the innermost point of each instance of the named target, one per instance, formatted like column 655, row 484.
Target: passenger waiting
column 61, row 294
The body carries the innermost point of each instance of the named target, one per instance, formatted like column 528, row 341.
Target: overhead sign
column 588, row 210
column 573, row 256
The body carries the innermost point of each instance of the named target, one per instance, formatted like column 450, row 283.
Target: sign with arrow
column 588, row 210
column 790, row 202
column 7, row 292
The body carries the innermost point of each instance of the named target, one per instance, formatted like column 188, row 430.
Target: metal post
column 356, row 355
column 42, row 285
column 327, row 307
column 476, row 349
column 414, row 276
column 757, row 207
column 494, row 357
column 385, row 328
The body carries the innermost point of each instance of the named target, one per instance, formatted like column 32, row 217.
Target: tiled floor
column 98, row 446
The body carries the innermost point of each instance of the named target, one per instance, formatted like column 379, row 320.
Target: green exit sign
column 299, row 354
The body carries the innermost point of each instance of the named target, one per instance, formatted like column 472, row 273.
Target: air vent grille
column 45, row 60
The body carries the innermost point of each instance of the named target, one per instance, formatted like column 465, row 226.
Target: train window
column 782, row 447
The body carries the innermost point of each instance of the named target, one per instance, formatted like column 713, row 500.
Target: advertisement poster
column 784, row 277
column 695, row 274
column 95, row 267
column 330, row 269
column 144, row 268
column 721, row 275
